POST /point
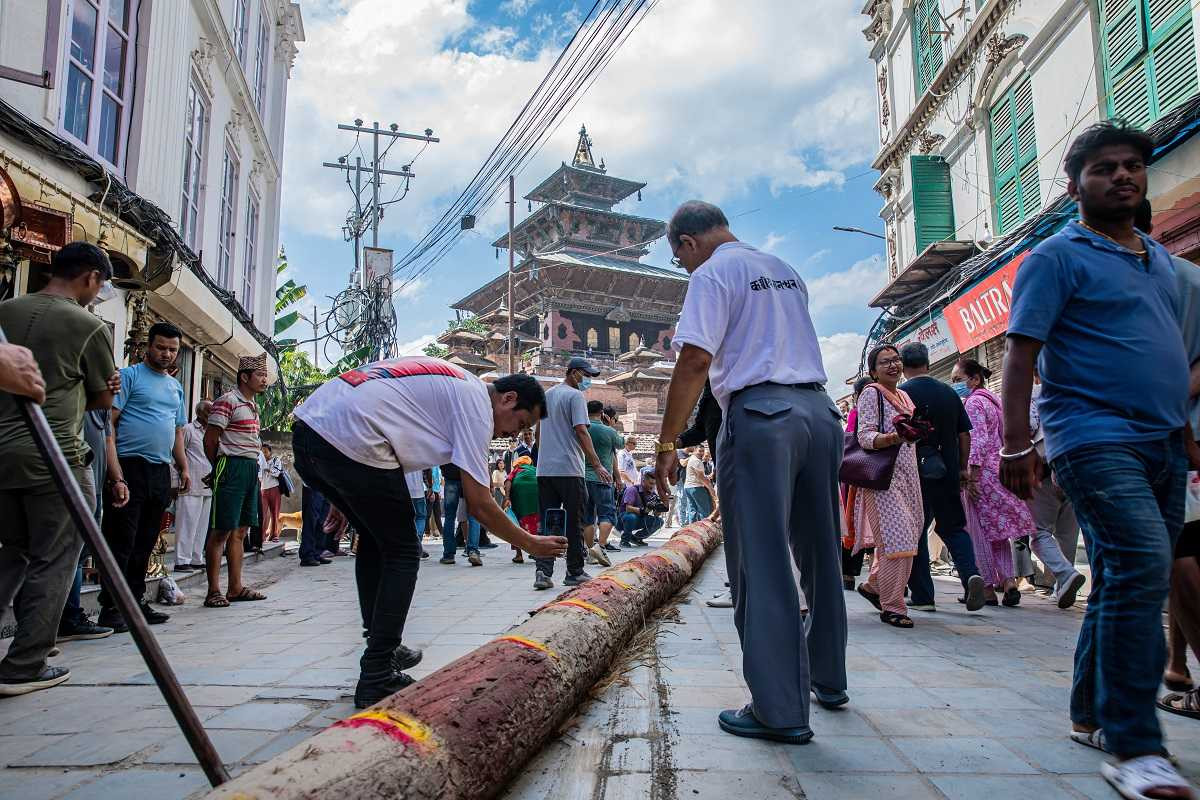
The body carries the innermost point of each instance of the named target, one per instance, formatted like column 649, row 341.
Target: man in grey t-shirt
column 563, row 444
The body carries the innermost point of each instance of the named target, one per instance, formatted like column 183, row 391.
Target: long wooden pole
column 512, row 216
column 156, row 660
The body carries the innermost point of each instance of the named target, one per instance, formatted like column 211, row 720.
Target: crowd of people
column 1090, row 437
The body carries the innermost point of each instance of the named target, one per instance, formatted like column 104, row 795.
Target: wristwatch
column 664, row 447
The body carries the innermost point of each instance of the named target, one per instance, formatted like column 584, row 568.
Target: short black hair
column 612, row 412
column 914, row 355
column 249, row 373
column 164, row 329
column 873, row 356
column 1105, row 134
column 861, row 384
column 530, row 394
column 694, row 218
column 595, row 407
column 268, row 447
column 77, row 258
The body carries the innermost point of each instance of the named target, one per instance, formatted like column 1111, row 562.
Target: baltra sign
column 982, row 311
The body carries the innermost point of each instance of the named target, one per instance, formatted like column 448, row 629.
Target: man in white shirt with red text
column 745, row 327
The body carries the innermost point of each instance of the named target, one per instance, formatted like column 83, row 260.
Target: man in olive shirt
column 600, row 505
column 40, row 543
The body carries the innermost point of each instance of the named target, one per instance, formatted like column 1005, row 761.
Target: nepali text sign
column 935, row 335
column 982, row 311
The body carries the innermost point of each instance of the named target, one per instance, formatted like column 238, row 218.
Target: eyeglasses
column 888, row 362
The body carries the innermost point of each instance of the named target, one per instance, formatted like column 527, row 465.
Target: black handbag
column 867, row 469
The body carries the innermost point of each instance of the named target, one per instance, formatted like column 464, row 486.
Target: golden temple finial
column 583, row 150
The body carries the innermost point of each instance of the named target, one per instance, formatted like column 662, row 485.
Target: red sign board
column 982, row 311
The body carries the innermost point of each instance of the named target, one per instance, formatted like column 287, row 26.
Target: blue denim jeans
column 449, row 528
column 420, row 515
column 1130, row 502
column 699, row 503
column 313, row 509
column 631, row 523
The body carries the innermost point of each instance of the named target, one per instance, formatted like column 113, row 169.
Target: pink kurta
column 891, row 521
column 1001, row 514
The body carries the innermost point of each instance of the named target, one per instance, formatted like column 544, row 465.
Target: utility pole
column 512, row 216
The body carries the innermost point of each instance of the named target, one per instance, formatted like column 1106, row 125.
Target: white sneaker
column 598, row 556
column 723, row 600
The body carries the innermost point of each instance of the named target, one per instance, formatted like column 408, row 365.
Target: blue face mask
column 961, row 388
column 585, row 383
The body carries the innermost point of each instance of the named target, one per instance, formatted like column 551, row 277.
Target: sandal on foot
column 216, row 600
column 1094, row 739
column 872, row 597
column 1134, row 778
column 246, row 594
column 1185, row 704
column 895, row 620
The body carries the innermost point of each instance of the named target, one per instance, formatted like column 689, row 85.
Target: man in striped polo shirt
column 232, row 444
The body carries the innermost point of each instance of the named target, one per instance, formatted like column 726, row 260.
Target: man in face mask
column 563, row 445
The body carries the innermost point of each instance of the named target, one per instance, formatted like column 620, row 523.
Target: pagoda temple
column 580, row 288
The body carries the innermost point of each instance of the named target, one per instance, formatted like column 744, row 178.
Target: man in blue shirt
column 1095, row 306
column 148, row 416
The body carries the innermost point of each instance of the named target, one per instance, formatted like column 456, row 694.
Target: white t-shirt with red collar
column 412, row 413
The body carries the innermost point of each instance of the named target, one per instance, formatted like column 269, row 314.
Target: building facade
column 580, row 288
column 978, row 101
column 155, row 129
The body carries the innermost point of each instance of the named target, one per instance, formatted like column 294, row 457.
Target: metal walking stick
column 155, row 659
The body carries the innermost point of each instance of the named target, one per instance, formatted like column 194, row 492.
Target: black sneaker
column 50, row 676
column 424, row 554
column 311, row 562
column 153, row 616
column 612, row 548
column 184, row 568
column 474, row 558
column 82, row 628
column 368, row 693
column 542, row 581
column 446, row 560
column 111, row 618
column 322, row 560
column 405, row 658
column 577, row 579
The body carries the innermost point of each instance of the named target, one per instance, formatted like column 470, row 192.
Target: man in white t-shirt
column 698, row 487
column 627, row 465
column 356, row 437
column 745, row 327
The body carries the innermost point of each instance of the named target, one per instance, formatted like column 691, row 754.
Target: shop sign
column 982, row 312
column 935, row 335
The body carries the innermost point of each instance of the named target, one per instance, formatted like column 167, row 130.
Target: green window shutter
column 933, row 203
column 926, row 45
column 1016, row 189
column 1149, row 57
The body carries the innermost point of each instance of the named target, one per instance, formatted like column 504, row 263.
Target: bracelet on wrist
column 1014, row 456
column 115, row 481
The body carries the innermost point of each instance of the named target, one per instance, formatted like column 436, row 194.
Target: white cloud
column 850, row 287
column 413, row 291
column 750, row 111
column 415, row 346
column 818, row 257
column 841, row 353
column 773, row 241
column 516, row 8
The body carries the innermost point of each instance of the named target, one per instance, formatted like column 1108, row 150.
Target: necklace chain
column 1139, row 253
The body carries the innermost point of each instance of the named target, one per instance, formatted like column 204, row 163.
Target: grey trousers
column 40, row 552
column 777, row 481
column 1057, row 537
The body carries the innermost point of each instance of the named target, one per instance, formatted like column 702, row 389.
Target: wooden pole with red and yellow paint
column 465, row 731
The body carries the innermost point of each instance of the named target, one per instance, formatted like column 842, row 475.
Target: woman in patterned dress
column 889, row 520
column 995, row 516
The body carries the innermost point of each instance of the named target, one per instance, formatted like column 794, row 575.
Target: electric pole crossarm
column 397, row 173
column 393, row 134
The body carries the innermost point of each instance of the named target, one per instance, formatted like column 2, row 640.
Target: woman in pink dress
column 892, row 519
column 995, row 516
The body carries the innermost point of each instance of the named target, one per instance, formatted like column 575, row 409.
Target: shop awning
column 936, row 260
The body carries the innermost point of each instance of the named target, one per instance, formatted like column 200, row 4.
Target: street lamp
column 845, row 229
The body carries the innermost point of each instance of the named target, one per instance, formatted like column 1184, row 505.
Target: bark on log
column 466, row 730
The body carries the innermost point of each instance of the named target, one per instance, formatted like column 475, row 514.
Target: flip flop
column 245, row 595
column 1185, row 704
column 895, row 620
column 216, row 600
column 1093, row 739
column 1133, row 778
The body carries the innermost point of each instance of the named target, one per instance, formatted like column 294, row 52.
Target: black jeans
column 313, row 509
column 377, row 504
column 569, row 493
column 132, row 530
column 943, row 504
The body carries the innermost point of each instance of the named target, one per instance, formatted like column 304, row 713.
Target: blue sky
column 762, row 107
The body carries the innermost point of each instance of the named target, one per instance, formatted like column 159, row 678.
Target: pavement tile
column 714, row 697
column 280, row 744
column 721, row 751
column 90, row 749
column 141, row 783
column 846, row 754
column 960, row 754
column 626, row 786
column 630, row 755
column 14, row 748
column 709, row 785
column 1058, row 754
column 853, row 786
column 961, row 787
column 40, row 784
column 845, row 721
column 993, row 697
column 919, row 722
column 330, row 714
column 232, row 745
column 321, row 676
column 261, row 716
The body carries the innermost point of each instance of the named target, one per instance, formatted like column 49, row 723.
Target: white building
column 156, row 127
column 978, row 100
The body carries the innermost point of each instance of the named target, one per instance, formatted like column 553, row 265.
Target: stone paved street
column 962, row 706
